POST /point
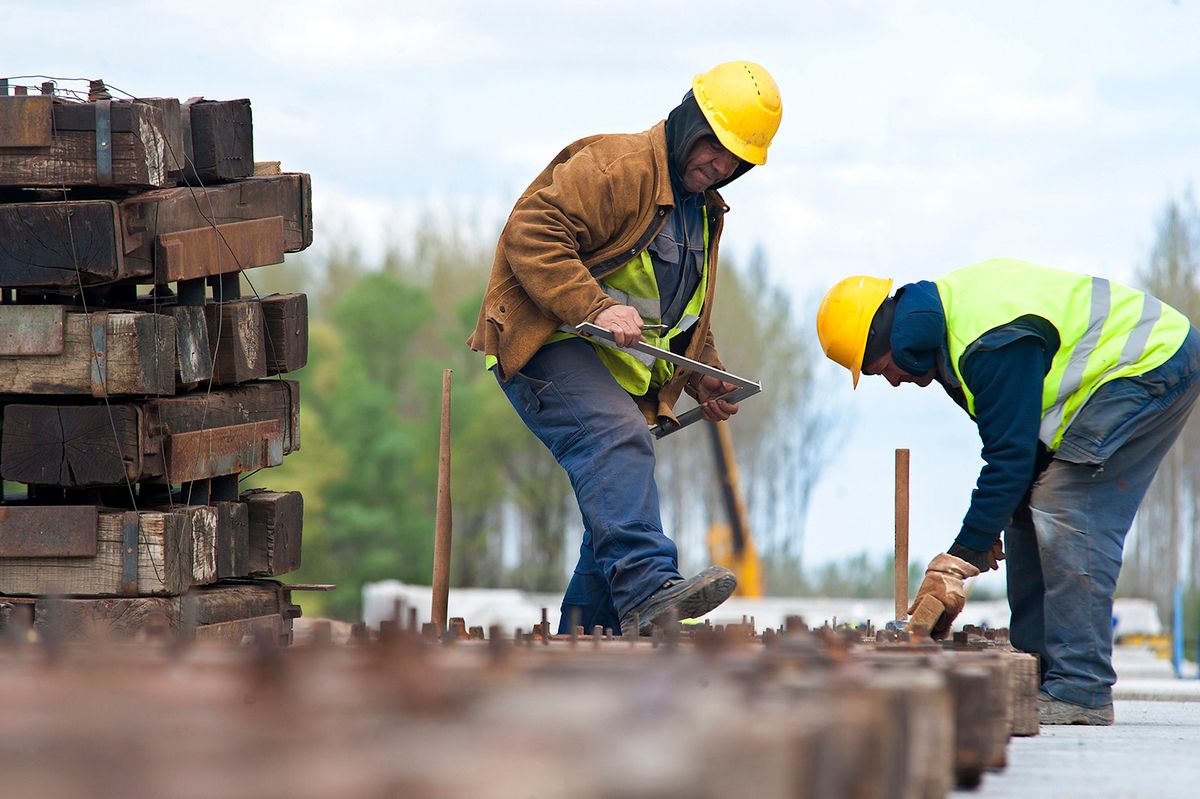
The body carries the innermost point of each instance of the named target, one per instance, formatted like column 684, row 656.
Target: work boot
column 1056, row 711
column 680, row 599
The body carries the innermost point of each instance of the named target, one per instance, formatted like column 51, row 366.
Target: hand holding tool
column 745, row 388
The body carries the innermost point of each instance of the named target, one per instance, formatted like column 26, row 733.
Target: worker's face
column 885, row 366
column 707, row 164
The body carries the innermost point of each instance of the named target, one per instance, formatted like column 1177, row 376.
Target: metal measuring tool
column 745, row 388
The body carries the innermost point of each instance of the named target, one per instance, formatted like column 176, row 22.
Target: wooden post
column 443, row 526
column 901, row 567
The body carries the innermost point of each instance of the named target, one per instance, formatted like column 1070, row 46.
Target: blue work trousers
column 592, row 426
column 1065, row 542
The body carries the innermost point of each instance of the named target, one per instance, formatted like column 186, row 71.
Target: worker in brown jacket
column 622, row 231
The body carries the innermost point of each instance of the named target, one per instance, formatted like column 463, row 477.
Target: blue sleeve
column 1007, row 385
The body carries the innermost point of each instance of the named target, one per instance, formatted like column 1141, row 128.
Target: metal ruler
column 745, row 388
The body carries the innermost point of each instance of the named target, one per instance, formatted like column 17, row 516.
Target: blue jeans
column 592, row 426
column 1065, row 542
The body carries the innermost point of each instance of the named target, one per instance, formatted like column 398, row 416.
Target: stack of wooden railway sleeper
column 140, row 373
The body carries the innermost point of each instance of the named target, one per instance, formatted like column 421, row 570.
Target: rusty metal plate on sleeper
column 231, row 449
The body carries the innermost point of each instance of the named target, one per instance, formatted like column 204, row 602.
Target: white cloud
column 995, row 105
column 372, row 46
column 917, row 138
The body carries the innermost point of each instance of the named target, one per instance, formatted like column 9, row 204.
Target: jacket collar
column 662, row 168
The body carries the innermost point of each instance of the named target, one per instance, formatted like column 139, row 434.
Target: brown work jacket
column 600, row 202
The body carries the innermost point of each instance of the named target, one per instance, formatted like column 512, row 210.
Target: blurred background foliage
column 382, row 331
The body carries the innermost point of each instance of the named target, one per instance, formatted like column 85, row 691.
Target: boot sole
column 700, row 598
column 1055, row 712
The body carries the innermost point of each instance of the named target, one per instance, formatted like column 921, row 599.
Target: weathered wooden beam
column 193, row 358
column 203, row 454
column 104, row 353
column 26, row 121
column 235, row 336
column 119, row 617
column 284, row 340
column 72, row 446
column 221, row 248
column 255, row 401
column 108, row 143
column 233, row 539
column 146, row 553
column 172, row 116
column 222, row 140
column 276, row 525
column 75, row 446
column 56, row 242
column 202, row 524
column 31, row 329
column 38, row 531
column 106, row 617
column 60, row 243
column 151, row 214
column 285, row 317
column 274, row 628
column 230, row 601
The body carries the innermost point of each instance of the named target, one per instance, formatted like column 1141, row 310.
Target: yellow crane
column 731, row 545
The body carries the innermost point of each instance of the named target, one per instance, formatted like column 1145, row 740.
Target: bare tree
column 1165, row 545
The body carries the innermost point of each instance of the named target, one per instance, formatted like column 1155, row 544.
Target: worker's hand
column 713, row 409
column 995, row 555
column 624, row 322
column 982, row 559
column 944, row 582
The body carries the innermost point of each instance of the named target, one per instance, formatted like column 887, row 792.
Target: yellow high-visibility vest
column 634, row 285
column 1106, row 330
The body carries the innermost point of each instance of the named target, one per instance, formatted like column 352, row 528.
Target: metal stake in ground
column 442, row 524
column 901, row 565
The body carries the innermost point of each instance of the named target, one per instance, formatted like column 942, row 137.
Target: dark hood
column 919, row 329
column 685, row 126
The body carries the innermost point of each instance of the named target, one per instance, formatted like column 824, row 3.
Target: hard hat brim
column 743, row 150
column 844, row 320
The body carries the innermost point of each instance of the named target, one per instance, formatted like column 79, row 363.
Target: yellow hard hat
column 741, row 102
column 845, row 319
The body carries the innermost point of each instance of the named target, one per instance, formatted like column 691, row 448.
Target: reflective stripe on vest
column 1106, row 330
column 647, row 307
column 634, row 285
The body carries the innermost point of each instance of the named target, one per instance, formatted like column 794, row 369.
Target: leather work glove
column 995, row 555
column 982, row 559
column 944, row 582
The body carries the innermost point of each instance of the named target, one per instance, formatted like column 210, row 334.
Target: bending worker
column 622, row 231
column 1078, row 386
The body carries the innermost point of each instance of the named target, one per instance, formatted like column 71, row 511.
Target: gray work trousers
column 1065, row 542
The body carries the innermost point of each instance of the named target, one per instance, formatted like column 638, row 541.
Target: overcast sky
column 917, row 137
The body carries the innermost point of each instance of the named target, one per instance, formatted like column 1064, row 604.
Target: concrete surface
column 1152, row 752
